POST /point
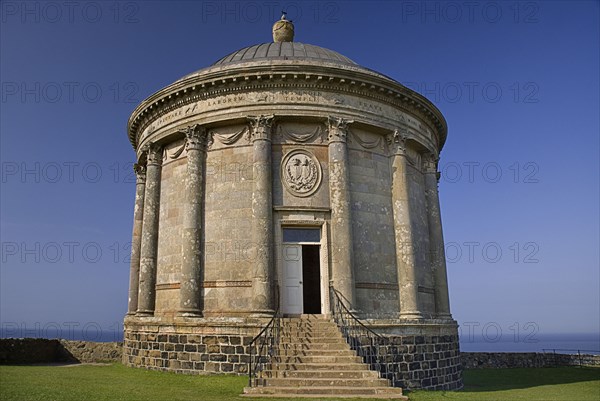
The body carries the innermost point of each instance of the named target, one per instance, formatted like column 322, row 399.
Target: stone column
column 136, row 238
column 403, row 230
column 342, row 269
column 262, row 215
column 149, row 245
column 190, row 303
column 436, row 238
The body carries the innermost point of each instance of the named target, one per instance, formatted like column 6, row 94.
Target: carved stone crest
column 301, row 173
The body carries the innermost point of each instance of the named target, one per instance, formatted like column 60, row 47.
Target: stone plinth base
column 426, row 353
column 190, row 345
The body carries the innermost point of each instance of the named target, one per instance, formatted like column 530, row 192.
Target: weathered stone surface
column 18, row 351
column 499, row 360
column 270, row 139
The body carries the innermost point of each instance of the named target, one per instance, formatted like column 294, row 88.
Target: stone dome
column 284, row 51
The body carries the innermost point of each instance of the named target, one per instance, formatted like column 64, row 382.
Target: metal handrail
column 375, row 349
column 580, row 353
column 267, row 346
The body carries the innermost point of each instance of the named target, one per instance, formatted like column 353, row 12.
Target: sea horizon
column 564, row 343
column 588, row 343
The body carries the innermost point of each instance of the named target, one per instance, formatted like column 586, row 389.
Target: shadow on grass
column 34, row 351
column 521, row 378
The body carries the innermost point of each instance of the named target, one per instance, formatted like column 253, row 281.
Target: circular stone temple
column 269, row 182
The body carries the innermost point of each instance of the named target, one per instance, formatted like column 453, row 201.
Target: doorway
column 301, row 292
column 311, row 276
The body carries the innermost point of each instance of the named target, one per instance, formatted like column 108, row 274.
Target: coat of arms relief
column 301, row 173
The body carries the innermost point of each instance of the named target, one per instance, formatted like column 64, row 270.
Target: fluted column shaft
column 262, row 215
column 190, row 303
column 403, row 230
column 342, row 269
column 436, row 239
column 136, row 238
column 149, row 245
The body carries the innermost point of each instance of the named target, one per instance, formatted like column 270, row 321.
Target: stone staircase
column 314, row 361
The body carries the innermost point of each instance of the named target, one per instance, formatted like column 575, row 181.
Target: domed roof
column 284, row 51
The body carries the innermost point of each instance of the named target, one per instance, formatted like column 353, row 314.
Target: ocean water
column 540, row 342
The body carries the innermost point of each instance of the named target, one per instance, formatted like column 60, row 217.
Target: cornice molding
column 358, row 83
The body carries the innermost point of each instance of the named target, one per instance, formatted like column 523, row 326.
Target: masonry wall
column 228, row 255
column 168, row 270
column 40, row 350
column 499, row 360
column 375, row 272
column 188, row 353
column 425, row 362
column 420, row 235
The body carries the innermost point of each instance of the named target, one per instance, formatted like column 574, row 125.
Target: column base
column 145, row 313
column 410, row 315
column 444, row 316
column 263, row 313
column 189, row 313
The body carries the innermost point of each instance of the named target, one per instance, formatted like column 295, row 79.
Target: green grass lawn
column 542, row 384
column 117, row 382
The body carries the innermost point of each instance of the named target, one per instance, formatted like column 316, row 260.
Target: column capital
column 154, row 154
column 397, row 142
column 337, row 129
column 260, row 127
column 140, row 173
column 195, row 137
column 430, row 163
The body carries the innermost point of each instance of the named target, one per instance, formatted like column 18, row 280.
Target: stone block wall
column 376, row 276
column 21, row 351
column 418, row 362
column 188, row 353
column 424, row 362
column 499, row 360
column 90, row 352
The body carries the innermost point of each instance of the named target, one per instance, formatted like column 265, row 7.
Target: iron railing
column 581, row 354
column 375, row 349
column 264, row 347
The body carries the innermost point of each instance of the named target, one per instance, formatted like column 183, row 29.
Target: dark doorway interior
column 311, row 276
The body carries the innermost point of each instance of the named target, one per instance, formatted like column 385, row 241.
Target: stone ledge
column 19, row 351
column 501, row 360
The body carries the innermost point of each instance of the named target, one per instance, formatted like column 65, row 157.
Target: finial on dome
column 283, row 30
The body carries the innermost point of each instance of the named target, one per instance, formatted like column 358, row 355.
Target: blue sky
column 517, row 82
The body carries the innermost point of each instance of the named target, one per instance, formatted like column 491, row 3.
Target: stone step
column 307, row 317
column 335, row 392
column 325, row 382
column 315, row 346
column 317, row 359
column 307, row 323
column 313, row 360
column 288, row 332
column 320, row 374
column 315, row 352
column 309, row 329
column 314, row 334
column 319, row 366
column 310, row 341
